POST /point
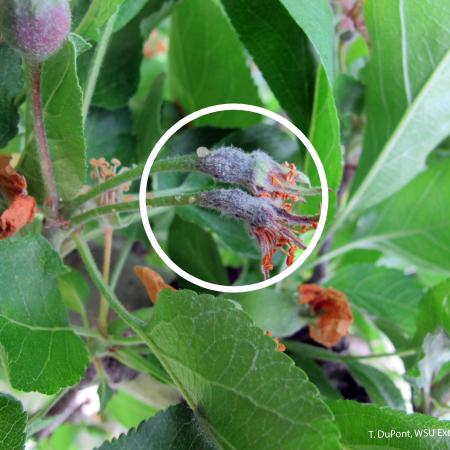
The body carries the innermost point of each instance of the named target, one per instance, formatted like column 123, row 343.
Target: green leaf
column 207, row 64
column 128, row 10
column 148, row 121
column 365, row 426
column 33, row 319
column 74, row 290
column 105, row 394
column 414, row 223
column 96, row 17
column 280, row 49
column 229, row 372
column 387, row 295
column 378, row 384
column 317, row 22
column 271, row 311
column 119, row 74
column 127, row 410
column 11, row 82
column 174, row 429
column 185, row 141
column 195, row 251
column 434, row 311
column 109, row 135
column 325, row 137
column 272, row 139
column 317, row 376
column 164, row 8
column 61, row 100
column 81, row 45
column 13, row 420
column 408, row 95
column 231, row 232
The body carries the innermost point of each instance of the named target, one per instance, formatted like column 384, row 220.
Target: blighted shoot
column 257, row 172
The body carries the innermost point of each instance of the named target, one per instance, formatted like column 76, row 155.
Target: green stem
column 133, row 322
column 99, row 56
column 110, row 340
column 99, row 189
column 104, row 305
column 103, row 287
column 168, row 200
column 45, row 409
column 121, row 262
column 326, row 355
column 181, row 164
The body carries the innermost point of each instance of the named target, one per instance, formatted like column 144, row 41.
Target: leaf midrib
column 395, row 136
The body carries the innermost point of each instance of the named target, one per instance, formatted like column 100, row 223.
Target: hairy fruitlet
column 37, row 28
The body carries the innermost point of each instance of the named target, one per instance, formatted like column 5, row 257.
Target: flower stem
column 168, row 200
column 121, row 262
column 104, row 305
column 327, row 355
column 133, row 322
column 182, row 163
column 44, row 152
column 103, row 287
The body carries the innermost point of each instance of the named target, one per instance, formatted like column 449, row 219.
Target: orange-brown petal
column 20, row 212
column 334, row 315
column 152, row 281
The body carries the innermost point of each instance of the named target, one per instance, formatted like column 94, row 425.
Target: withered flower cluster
column 266, row 201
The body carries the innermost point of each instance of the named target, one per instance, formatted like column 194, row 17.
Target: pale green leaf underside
column 355, row 420
column 42, row 352
column 270, row 310
column 408, row 98
column 177, row 428
column 12, row 423
column 248, row 394
column 414, row 223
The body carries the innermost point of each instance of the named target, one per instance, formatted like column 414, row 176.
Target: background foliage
column 369, row 83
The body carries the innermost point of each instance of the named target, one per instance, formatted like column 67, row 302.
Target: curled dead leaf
column 22, row 207
column 333, row 311
column 152, row 281
column 20, row 212
column 11, row 183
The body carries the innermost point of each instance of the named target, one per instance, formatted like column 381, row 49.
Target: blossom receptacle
column 255, row 171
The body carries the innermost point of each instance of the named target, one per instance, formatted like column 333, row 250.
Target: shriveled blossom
column 152, row 281
column 274, row 227
column 102, row 170
column 333, row 312
column 22, row 207
column 256, row 172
